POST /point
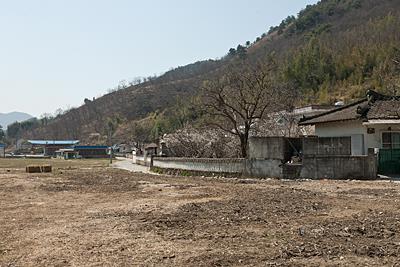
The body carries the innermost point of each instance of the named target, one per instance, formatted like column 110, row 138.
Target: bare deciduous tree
column 244, row 95
column 201, row 143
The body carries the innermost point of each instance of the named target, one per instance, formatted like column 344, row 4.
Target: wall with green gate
column 389, row 161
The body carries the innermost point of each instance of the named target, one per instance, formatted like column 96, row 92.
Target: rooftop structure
column 373, row 108
column 372, row 123
column 50, row 147
column 53, row 142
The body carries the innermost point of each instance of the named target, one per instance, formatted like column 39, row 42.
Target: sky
column 56, row 53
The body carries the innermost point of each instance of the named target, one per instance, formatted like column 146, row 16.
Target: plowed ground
column 107, row 217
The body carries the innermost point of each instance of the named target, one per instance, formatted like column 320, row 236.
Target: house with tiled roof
column 372, row 122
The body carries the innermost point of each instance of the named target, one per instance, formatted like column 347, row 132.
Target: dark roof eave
column 304, row 120
column 322, row 122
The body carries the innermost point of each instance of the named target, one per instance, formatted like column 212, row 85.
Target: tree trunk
column 243, row 145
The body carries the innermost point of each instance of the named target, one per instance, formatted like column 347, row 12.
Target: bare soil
column 18, row 163
column 107, row 217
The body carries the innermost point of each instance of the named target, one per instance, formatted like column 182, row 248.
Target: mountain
column 9, row 118
column 333, row 50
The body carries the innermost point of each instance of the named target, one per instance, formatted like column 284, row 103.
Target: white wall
column 251, row 167
column 203, row 165
column 375, row 140
column 355, row 129
column 141, row 160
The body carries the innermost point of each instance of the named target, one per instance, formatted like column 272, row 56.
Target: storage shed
column 51, row 146
column 92, row 151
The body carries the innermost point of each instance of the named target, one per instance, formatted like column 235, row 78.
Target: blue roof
column 91, row 147
column 53, row 142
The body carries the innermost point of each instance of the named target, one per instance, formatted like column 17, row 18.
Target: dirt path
column 127, row 164
column 109, row 217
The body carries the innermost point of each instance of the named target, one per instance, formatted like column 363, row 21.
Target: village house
column 123, row 148
column 91, row 152
column 85, row 152
column 285, row 123
column 49, row 147
column 372, row 123
column 355, row 141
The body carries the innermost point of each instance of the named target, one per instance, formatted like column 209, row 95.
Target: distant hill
column 9, row 118
column 333, row 50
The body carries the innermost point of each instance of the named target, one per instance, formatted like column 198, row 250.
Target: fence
column 339, row 167
column 232, row 166
column 331, row 157
column 327, row 146
column 248, row 167
column 270, row 157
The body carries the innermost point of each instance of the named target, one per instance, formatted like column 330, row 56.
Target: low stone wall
column 339, row 167
column 316, row 167
column 264, row 168
column 261, row 168
column 323, row 158
column 312, row 167
column 235, row 166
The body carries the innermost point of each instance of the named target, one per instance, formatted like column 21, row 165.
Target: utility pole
column 110, row 143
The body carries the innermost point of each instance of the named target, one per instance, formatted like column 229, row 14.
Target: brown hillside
column 334, row 49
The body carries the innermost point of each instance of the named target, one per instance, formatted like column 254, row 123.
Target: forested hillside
column 333, row 50
column 8, row 118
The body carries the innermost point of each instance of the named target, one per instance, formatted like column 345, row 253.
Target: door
column 389, row 161
column 389, row 155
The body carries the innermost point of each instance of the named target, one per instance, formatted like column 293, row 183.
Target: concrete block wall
column 292, row 171
column 280, row 148
column 264, row 168
column 313, row 167
column 201, row 165
column 323, row 158
column 339, row 167
column 327, row 146
column 260, row 168
column 266, row 148
column 331, row 158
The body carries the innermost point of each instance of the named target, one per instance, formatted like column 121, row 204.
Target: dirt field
column 56, row 163
column 107, row 217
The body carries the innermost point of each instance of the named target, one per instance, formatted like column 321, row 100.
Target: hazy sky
column 54, row 53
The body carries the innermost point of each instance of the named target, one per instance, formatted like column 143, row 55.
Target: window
column 391, row 140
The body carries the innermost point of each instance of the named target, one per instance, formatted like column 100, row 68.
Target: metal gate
column 389, row 161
